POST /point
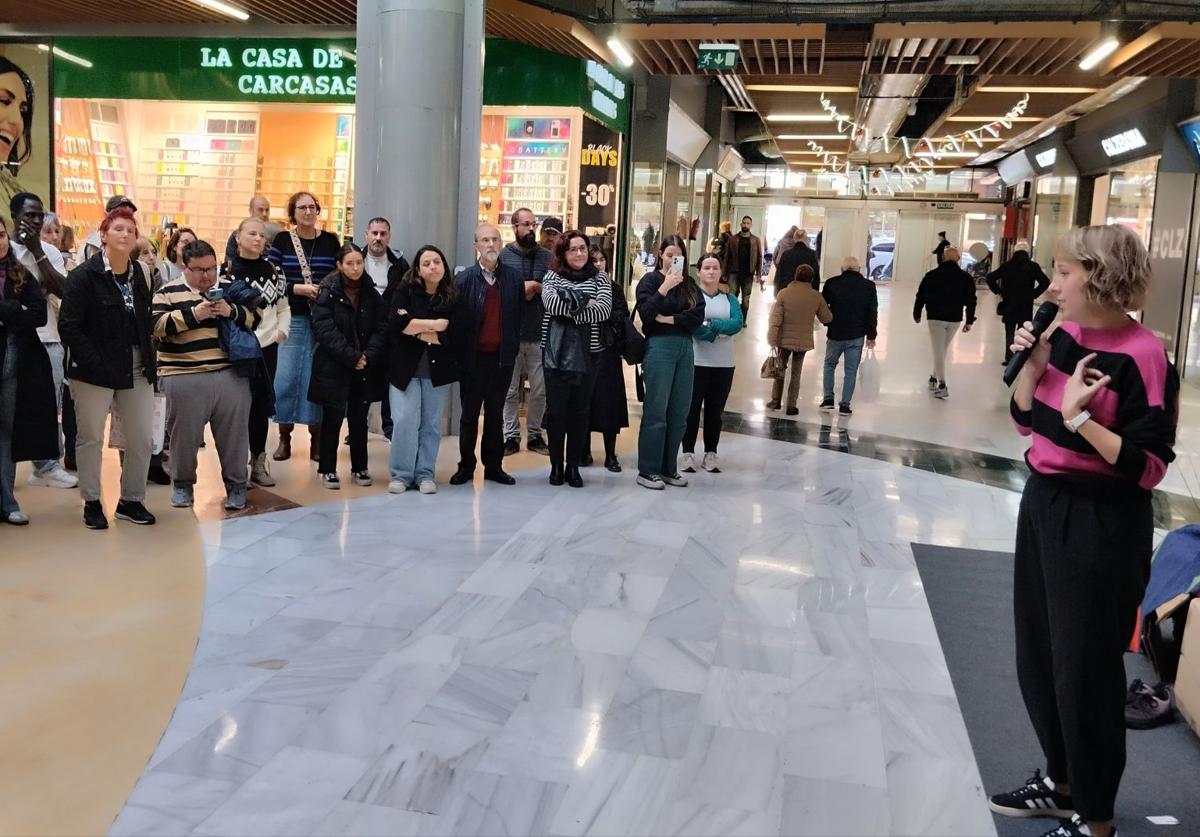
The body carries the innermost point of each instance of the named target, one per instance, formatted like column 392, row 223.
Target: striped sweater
column 321, row 254
column 1140, row 404
column 186, row 345
column 557, row 293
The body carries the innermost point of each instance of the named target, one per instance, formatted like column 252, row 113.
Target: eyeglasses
column 203, row 271
column 308, row 207
column 577, row 249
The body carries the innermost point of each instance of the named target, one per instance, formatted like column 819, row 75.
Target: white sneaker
column 710, row 462
column 687, row 463
column 654, row 483
column 396, row 487
column 56, row 477
column 941, row 392
column 675, row 480
column 428, row 487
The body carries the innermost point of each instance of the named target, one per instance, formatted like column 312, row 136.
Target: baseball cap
column 119, row 200
column 552, row 223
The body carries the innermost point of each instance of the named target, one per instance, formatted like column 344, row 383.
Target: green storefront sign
column 208, row 69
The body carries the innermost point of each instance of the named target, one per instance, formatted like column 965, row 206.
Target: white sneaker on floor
column 428, row 487
column 941, row 392
column 710, row 462
column 687, row 463
column 675, row 480
column 56, row 477
column 396, row 487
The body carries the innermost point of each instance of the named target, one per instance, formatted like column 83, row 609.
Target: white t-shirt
column 49, row 332
column 378, row 269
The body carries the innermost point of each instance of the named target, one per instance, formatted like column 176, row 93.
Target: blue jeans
column 416, row 430
column 292, row 376
column 834, row 349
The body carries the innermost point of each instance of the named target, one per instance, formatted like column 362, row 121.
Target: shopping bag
column 868, row 377
column 773, row 367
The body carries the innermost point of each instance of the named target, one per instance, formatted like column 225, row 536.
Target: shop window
column 107, row 114
column 1053, row 213
column 1131, row 196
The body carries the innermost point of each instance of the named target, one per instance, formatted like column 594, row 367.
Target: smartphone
column 677, row 265
column 215, row 293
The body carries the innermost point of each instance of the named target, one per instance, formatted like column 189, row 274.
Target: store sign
column 599, row 177
column 606, row 92
column 943, row 205
column 1047, row 158
column 1123, row 142
column 717, row 57
column 1169, row 242
column 289, row 70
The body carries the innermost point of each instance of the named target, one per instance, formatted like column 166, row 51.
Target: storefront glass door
column 1053, row 212
column 1131, row 196
column 882, row 226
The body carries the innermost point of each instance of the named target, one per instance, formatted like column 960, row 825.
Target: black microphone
column 1041, row 321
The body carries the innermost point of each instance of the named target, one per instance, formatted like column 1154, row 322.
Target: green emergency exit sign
column 717, row 57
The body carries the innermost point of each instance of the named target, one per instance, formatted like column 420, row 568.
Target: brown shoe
column 314, row 442
column 284, row 451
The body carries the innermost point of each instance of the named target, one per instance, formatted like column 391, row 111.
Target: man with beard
column 529, row 261
column 743, row 263
column 386, row 268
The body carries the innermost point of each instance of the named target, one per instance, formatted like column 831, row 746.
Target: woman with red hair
column 105, row 323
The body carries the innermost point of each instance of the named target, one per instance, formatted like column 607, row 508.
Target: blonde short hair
column 1116, row 263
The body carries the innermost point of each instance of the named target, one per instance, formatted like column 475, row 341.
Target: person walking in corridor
column 743, row 263
column 944, row 294
column 791, row 259
column 671, row 308
column 854, row 303
column 1018, row 282
column 528, row 260
column 790, row 332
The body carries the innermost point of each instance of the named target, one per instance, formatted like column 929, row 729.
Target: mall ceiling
column 892, row 78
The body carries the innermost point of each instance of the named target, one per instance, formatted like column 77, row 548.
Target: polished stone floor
column 750, row 655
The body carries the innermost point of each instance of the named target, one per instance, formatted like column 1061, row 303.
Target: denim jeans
column 668, row 369
column 416, row 430
column 834, row 349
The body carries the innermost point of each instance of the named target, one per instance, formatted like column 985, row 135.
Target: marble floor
column 751, row 655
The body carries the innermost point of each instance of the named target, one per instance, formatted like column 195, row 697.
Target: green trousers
column 668, row 369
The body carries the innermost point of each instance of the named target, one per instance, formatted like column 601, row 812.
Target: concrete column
column 417, row 122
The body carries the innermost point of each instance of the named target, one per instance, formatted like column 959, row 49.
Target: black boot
column 556, row 473
column 573, row 478
column 611, row 463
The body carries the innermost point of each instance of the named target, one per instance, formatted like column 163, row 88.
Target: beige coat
column 791, row 323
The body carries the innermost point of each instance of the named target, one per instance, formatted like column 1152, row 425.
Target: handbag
column 633, row 344
column 567, row 347
column 773, row 367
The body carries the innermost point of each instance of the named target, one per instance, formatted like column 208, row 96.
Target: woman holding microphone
column 1101, row 401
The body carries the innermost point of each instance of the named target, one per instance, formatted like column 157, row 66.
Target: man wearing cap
column 91, row 245
column 530, row 261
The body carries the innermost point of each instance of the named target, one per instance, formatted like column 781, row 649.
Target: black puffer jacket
column 1018, row 282
column 944, row 293
column 96, row 330
column 344, row 333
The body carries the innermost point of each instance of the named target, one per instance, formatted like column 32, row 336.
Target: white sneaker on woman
column 710, row 462
column 687, row 463
column 428, row 487
column 56, row 477
column 397, row 487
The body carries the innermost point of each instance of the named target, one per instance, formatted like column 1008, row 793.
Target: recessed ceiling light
column 66, row 56
column 622, row 53
column 985, row 119
column 224, row 8
column 801, row 88
column 965, row 155
column 961, row 60
column 812, row 137
column 1101, row 51
column 1000, row 88
column 798, row 117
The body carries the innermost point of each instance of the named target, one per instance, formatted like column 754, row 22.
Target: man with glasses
column 196, row 376
column 529, row 261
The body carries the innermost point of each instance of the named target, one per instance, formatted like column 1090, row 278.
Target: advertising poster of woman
column 25, row 146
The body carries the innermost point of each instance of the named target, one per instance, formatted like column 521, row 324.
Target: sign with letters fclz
column 284, row 71
column 717, row 57
column 1169, row 243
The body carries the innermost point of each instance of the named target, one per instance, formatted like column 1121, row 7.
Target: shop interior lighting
column 1001, row 88
column 812, row 137
column 1102, row 50
column 965, row 155
column 622, row 53
column 801, row 88
column 978, row 119
column 347, row 54
column 224, row 8
column 961, row 60
column 66, row 56
column 798, row 117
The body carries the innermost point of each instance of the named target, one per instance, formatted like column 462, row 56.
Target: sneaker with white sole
column 362, row 478
column 1074, row 827
column 235, row 498
column 397, row 487
column 687, row 463
column 932, row 383
column 651, row 481
column 56, row 477
column 330, row 481
column 675, row 480
column 1036, row 798
column 709, row 463
column 182, row 496
column 941, row 392
column 428, row 487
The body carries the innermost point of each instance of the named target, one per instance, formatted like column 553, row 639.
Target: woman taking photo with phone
column 671, row 309
column 1101, row 401
column 713, row 376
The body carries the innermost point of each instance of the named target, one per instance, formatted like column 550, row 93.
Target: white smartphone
column 677, row 265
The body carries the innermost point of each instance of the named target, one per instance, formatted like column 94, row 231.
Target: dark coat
column 343, row 334
column 95, row 328
column 800, row 253
column 35, row 421
column 944, row 293
column 472, row 291
column 854, row 302
column 1018, row 282
column 405, row 350
column 396, row 272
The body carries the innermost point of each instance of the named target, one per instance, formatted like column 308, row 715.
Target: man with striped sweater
column 195, row 373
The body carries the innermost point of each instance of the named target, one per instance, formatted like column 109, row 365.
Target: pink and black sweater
column 1140, row 404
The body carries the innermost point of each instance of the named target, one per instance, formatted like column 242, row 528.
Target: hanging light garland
column 915, row 165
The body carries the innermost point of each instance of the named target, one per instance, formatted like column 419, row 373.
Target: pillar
column 420, row 93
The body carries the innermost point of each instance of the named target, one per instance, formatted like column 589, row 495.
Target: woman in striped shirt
column 306, row 255
column 1100, row 400
column 575, row 294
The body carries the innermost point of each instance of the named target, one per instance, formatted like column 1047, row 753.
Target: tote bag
column 868, row 377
